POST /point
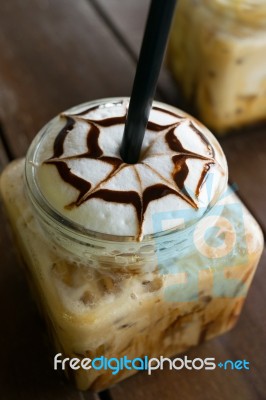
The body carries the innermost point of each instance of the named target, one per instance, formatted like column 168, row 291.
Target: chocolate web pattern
column 139, row 201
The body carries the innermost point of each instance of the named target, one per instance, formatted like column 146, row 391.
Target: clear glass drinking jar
column 113, row 296
column 217, row 53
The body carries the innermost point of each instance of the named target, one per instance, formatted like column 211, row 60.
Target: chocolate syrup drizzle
column 139, row 201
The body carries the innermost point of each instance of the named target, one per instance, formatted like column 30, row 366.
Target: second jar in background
column 217, row 53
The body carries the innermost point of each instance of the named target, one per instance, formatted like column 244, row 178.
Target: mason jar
column 105, row 295
column 217, row 53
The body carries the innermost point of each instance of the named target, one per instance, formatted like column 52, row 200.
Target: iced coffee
column 129, row 260
column 217, row 53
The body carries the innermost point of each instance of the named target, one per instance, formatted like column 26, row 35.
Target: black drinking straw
column 148, row 69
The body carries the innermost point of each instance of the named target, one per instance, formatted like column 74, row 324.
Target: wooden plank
column 3, row 155
column 127, row 20
column 245, row 341
column 54, row 55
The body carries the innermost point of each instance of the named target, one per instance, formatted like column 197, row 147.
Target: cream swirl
column 181, row 169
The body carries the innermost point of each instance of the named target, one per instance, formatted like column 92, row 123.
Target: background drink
column 217, row 54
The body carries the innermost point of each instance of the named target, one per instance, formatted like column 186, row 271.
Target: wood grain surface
column 55, row 54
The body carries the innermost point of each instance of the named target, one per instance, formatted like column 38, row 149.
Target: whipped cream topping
column 181, row 172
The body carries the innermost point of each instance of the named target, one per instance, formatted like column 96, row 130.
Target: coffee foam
column 111, row 197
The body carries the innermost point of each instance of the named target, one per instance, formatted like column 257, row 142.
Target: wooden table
column 58, row 53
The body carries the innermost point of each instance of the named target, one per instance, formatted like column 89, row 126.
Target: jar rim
column 70, row 227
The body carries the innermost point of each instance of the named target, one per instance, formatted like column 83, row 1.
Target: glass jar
column 217, row 53
column 113, row 296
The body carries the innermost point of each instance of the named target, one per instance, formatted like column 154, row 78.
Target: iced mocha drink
column 217, row 53
column 123, row 258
